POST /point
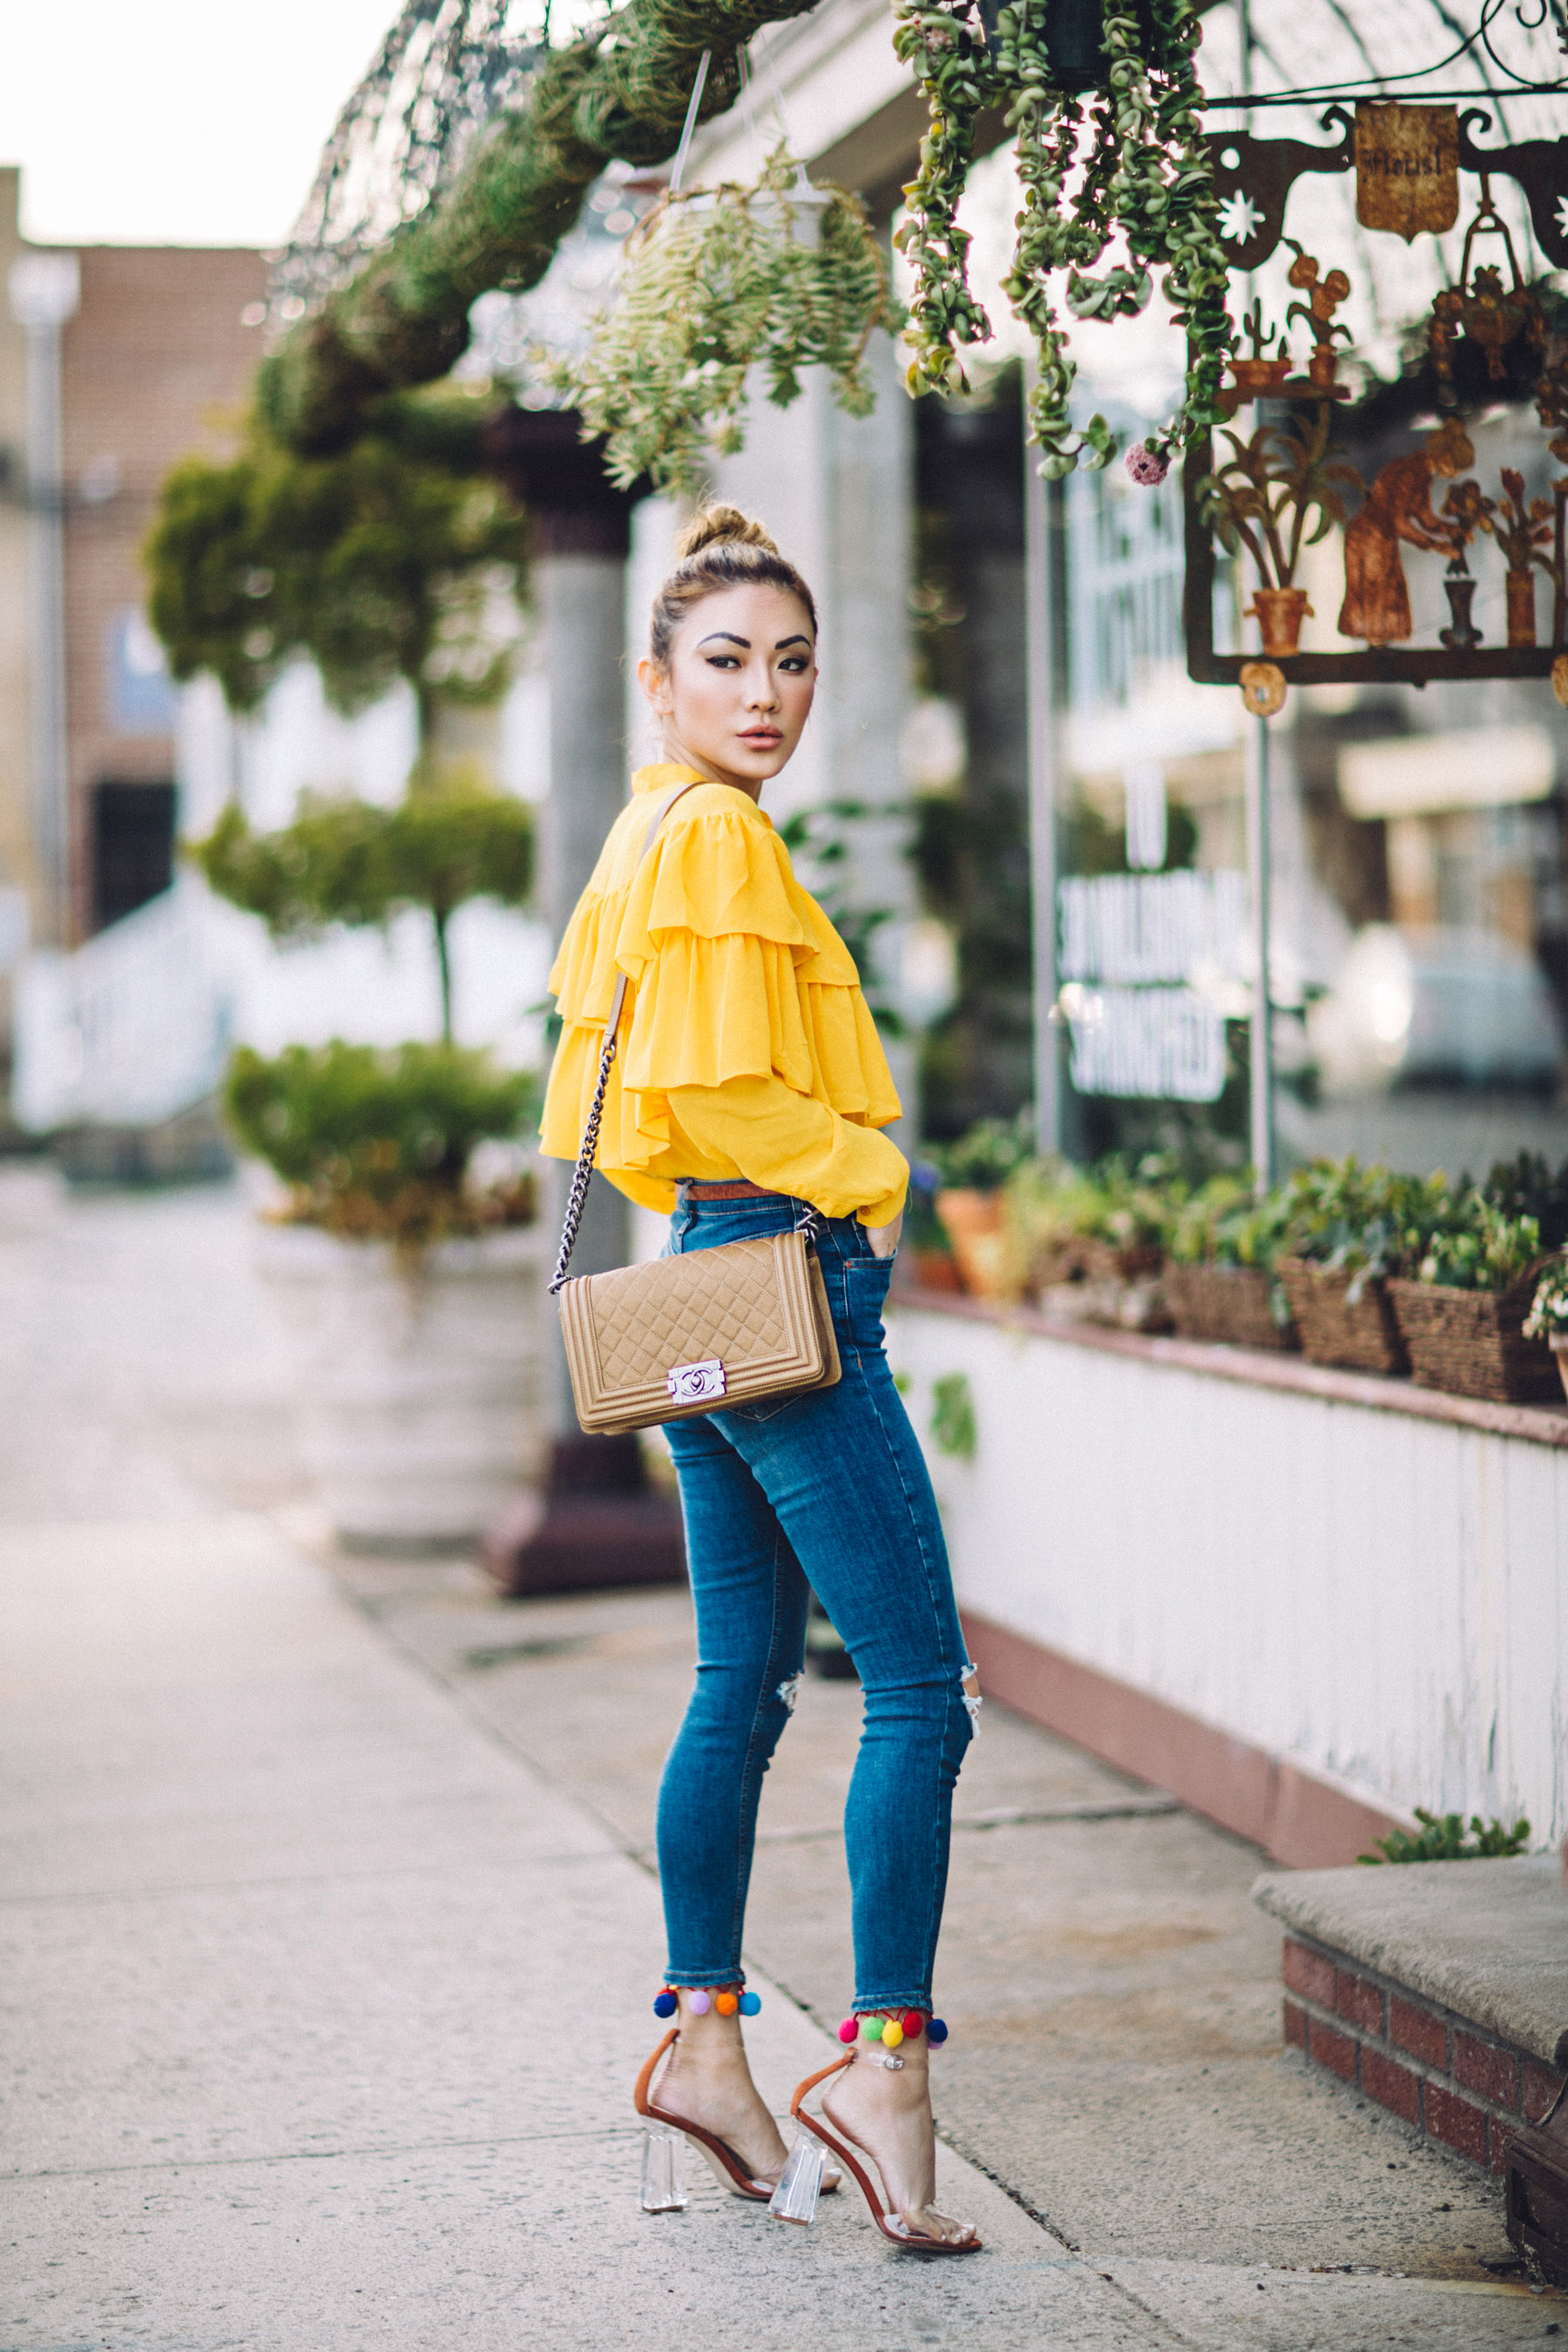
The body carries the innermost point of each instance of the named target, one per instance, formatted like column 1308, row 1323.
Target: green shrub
column 1365, row 1221
column 953, row 1421
column 349, row 862
column 375, row 1144
column 1526, row 1187
column 983, row 1159
column 1445, row 1838
column 1483, row 1249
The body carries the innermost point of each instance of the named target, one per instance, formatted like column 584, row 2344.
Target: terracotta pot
column 1324, row 367
column 973, row 1224
column 1256, row 379
column 1280, row 612
column 1521, row 608
column 934, row 1270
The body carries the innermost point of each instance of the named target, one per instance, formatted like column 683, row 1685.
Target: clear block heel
column 800, row 2182
column 663, row 2188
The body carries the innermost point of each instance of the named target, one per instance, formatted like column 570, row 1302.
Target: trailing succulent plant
column 777, row 276
column 1126, row 165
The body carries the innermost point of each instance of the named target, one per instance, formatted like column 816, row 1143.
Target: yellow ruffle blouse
column 747, row 1049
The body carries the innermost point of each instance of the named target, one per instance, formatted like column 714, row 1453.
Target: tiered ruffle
column 734, row 972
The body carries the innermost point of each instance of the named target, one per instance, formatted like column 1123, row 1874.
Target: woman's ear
column 655, row 684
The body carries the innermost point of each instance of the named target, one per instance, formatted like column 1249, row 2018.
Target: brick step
column 1432, row 2068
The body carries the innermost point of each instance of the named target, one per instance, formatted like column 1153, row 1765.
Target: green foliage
column 986, row 1156
column 394, row 560
column 717, row 281
column 1138, row 170
column 821, row 839
column 1225, row 1223
column 376, row 1145
column 620, row 90
column 1548, row 1317
column 953, row 1421
column 1482, row 1249
column 1526, row 1187
column 1444, row 1838
column 1367, row 1221
column 349, row 862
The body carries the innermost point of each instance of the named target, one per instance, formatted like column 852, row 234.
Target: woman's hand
column 884, row 1239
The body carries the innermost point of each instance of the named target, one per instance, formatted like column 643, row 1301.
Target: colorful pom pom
column 871, row 2028
column 726, row 2003
column 892, row 2034
column 936, row 2033
column 850, row 2029
column 749, row 2003
column 665, row 2003
column 913, row 2023
column 699, row 2004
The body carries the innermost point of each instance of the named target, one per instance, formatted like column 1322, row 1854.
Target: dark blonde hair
column 720, row 548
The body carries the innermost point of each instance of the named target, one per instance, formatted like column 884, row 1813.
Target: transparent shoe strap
column 800, row 2182
column 663, row 2186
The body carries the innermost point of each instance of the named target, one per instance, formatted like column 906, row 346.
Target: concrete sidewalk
column 330, row 1938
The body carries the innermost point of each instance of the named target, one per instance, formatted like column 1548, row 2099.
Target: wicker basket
column 1469, row 1341
column 1104, row 1261
column 1363, row 1335
column 1225, row 1302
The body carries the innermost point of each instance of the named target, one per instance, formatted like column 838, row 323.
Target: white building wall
column 1373, row 1597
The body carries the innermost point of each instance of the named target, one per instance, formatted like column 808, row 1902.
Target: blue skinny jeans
column 828, row 1490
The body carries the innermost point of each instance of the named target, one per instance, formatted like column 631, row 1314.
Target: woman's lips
column 762, row 738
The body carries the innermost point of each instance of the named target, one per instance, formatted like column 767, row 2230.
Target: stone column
column 598, row 1523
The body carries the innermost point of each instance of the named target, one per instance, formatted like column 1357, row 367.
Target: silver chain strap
column 582, row 1174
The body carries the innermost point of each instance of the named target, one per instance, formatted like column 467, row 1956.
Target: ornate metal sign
column 1407, row 169
column 1282, row 480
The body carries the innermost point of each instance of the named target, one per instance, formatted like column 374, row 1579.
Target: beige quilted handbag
column 721, row 1327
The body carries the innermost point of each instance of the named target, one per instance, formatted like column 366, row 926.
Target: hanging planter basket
column 780, row 276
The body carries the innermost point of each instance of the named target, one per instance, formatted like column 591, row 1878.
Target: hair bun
column 712, row 525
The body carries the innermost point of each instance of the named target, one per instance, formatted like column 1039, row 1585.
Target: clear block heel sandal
column 797, row 2189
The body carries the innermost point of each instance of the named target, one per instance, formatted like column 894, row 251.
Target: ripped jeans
column 831, row 1489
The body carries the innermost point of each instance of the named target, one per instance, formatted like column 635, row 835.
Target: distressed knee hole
column 789, row 1691
column 969, row 1684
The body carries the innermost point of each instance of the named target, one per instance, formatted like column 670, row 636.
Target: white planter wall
column 421, row 1386
column 1375, row 1598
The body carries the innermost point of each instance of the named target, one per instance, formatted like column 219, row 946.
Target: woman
column 1399, row 506
column 750, row 1080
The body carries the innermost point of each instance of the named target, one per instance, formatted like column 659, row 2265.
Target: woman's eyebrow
column 799, row 639
column 728, row 636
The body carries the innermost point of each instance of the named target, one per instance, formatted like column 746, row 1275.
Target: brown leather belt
column 741, row 1190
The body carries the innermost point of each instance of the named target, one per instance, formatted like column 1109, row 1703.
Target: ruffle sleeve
column 734, row 973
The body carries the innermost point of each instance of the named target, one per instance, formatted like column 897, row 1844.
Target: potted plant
column 1462, row 1316
column 1548, row 1317
column 777, row 276
column 1264, row 498
column 1050, row 1211
column 1220, row 1276
column 1347, row 1230
column 409, row 1288
column 412, row 1293
column 969, row 1200
column 1258, row 376
column 1520, row 525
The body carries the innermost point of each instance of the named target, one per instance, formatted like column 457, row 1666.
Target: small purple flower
column 1147, row 466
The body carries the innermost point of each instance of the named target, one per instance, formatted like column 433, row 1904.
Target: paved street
column 330, row 1935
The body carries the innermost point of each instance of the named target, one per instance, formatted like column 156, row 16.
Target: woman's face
column 738, row 691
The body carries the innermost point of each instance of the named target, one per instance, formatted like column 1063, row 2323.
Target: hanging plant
column 1134, row 169
column 781, row 275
